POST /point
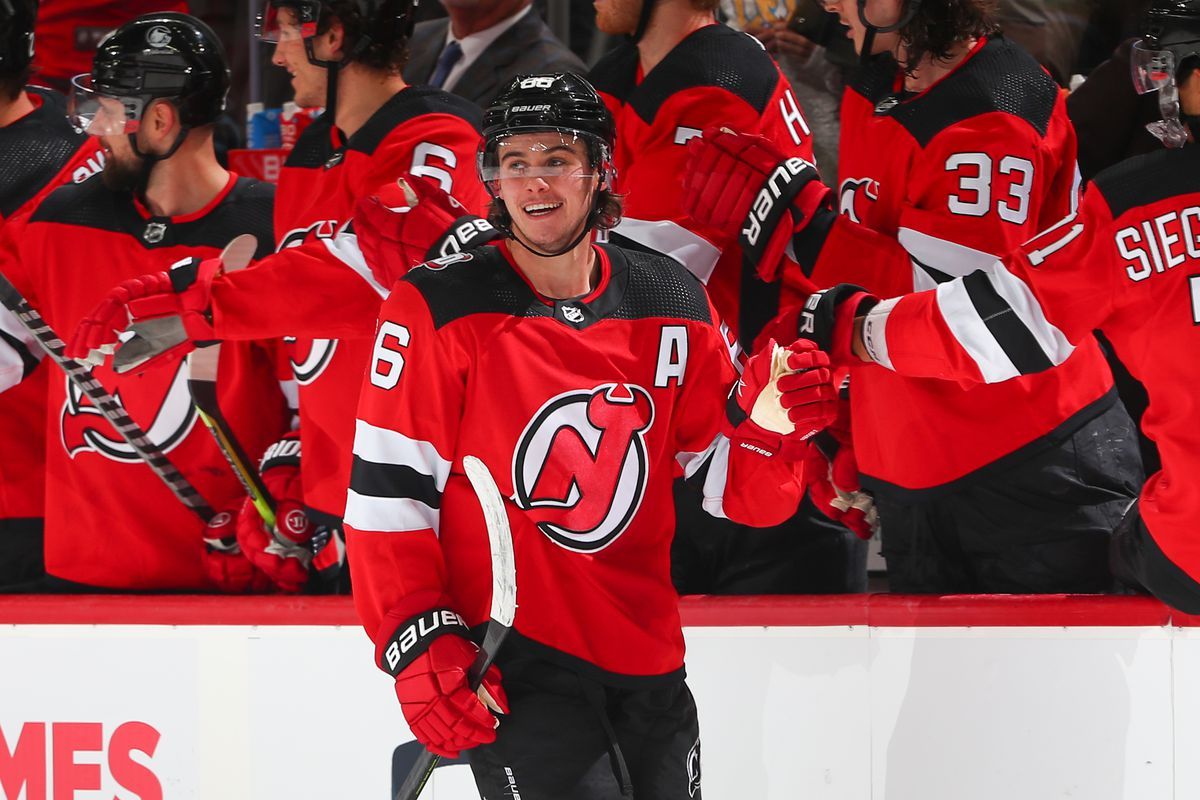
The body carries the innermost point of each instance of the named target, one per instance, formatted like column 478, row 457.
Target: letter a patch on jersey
column 581, row 464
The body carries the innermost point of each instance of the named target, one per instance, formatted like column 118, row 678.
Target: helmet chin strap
column 587, row 227
column 644, row 15
column 149, row 160
column 910, row 10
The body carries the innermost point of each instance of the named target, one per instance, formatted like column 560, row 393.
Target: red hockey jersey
column 38, row 153
column 933, row 186
column 110, row 521
column 581, row 410
column 715, row 76
column 1127, row 264
column 420, row 131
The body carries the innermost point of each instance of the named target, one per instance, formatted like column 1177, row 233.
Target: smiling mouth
column 541, row 209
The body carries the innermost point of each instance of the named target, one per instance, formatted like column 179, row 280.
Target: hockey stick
column 504, row 603
column 130, row 431
column 202, row 384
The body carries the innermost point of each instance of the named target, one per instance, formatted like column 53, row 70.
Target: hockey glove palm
column 785, row 395
column 412, row 221
column 744, row 184
column 429, row 656
column 286, row 551
column 179, row 299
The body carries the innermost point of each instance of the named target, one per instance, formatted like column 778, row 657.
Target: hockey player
column 943, row 166
column 39, row 150
column 579, row 374
column 678, row 72
column 347, row 54
column 110, row 522
column 1128, row 264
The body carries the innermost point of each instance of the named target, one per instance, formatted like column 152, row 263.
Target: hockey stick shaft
column 129, row 430
column 504, row 604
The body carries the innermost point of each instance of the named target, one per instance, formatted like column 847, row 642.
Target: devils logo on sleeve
column 580, row 466
column 855, row 197
column 158, row 400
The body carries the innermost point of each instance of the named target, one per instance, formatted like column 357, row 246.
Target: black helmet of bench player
column 164, row 56
column 16, row 36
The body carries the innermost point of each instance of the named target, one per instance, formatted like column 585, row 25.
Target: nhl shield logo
column 580, row 467
column 572, row 314
column 158, row 37
column 154, row 233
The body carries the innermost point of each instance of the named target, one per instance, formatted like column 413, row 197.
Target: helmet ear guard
column 16, row 36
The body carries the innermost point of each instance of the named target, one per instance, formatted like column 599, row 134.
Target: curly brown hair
column 939, row 25
column 387, row 56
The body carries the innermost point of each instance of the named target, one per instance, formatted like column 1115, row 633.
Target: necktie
column 451, row 53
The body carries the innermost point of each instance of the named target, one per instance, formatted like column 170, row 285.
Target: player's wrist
column 409, row 630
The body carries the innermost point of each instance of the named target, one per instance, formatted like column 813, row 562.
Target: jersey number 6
column 387, row 363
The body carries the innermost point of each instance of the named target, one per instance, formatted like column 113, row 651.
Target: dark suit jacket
column 526, row 48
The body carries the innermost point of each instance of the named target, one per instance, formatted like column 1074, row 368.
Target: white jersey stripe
column 717, row 477
column 344, row 247
column 695, row 252
column 953, row 259
column 389, row 514
column 385, row 446
column 972, row 334
column 1021, row 299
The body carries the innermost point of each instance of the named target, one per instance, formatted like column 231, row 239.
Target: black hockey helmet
column 163, row 56
column 562, row 103
column 384, row 21
column 1173, row 25
column 1170, row 44
column 16, row 35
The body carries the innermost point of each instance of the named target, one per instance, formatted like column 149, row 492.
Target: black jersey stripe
column 371, row 479
column 1010, row 332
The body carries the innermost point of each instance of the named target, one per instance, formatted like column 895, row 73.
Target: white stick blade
column 504, row 567
column 239, row 252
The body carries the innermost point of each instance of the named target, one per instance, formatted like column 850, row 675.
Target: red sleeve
column 323, row 288
column 402, row 460
column 975, row 192
column 1017, row 316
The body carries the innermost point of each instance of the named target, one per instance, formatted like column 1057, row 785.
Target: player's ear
column 335, row 39
column 161, row 118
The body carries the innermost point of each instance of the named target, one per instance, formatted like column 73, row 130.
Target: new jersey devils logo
column 855, row 197
column 159, row 402
column 310, row 357
column 580, row 467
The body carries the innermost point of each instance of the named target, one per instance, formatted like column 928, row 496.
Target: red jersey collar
column 195, row 215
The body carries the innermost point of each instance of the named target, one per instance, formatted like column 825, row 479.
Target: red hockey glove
column 228, row 569
column 831, row 472
column 744, row 184
column 429, row 655
column 785, row 395
column 412, row 221
column 827, row 319
column 286, row 551
column 183, row 294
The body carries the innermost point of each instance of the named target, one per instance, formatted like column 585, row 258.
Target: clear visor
column 1151, row 70
column 548, row 155
column 101, row 115
column 284, row 23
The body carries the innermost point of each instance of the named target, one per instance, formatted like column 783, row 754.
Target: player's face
column 618, row 17
column 880, row 13
column 547, row 184
column 308, row 80
column 122, row 167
